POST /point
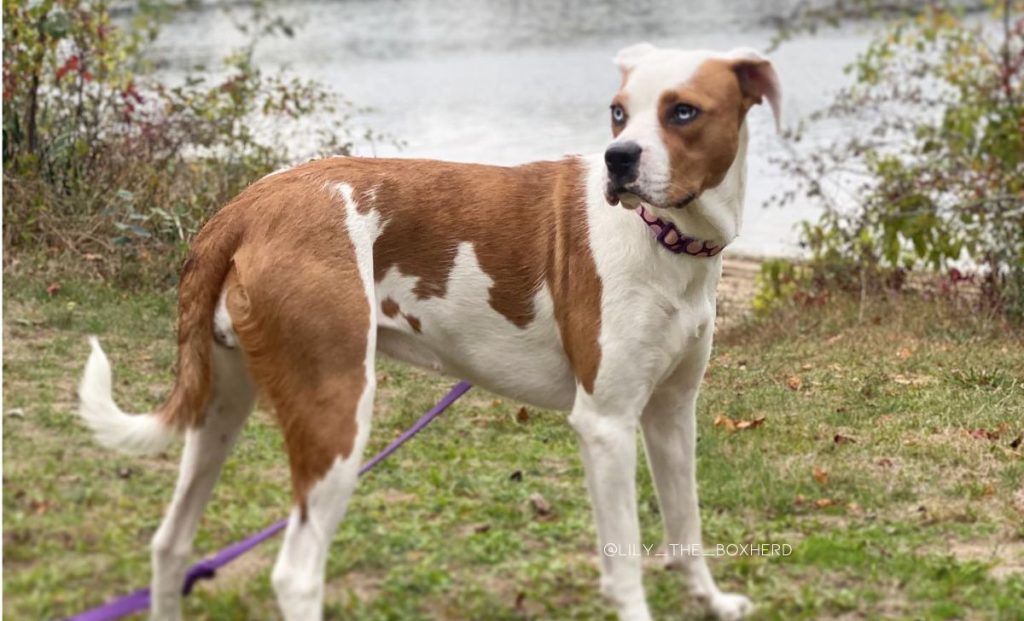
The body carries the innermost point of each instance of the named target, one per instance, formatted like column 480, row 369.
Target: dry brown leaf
column 912, row 380
column 540, row 505
column 821, row 475
column 799, row 500
column 738, row 425
column 750, row 424
column 822, row 503
column 841, row 439
column 793, row 382
column 903, row 353
column 523, row 415
column 53, row 289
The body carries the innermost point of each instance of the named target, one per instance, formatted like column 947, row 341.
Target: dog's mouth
column 631, row 197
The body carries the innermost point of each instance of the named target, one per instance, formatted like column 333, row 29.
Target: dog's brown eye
column 618, row 114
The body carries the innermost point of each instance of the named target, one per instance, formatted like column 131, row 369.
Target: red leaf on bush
column 70, row 64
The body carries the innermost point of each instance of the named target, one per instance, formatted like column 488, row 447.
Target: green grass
column 921, row 516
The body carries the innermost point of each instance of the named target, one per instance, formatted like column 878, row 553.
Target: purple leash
column 206, row 569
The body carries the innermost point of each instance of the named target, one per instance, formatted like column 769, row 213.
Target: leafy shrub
column 107, row 169
column 935, row 172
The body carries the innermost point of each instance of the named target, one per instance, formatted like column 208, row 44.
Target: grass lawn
column 889, row 459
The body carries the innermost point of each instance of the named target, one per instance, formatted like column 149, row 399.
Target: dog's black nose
column 622, row 159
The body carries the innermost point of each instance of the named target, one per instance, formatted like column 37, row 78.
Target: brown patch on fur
column 389, row 307
column 527, row 226
column 299, row 309
column 282, row 252
column 703, row 150
column 414, row 323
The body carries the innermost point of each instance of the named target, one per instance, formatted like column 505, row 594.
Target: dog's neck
column 717, row 215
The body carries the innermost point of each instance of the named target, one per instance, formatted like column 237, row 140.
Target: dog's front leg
column 670, row 438
column 608, row 446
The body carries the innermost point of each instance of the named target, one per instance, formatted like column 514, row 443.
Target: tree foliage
column 933, row 174
column 106, row 166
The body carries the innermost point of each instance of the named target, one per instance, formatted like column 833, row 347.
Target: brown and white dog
column 528, row 281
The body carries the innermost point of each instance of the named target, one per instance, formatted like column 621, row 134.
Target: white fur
column 206, row 449
column 463, row 336
column 138, row 434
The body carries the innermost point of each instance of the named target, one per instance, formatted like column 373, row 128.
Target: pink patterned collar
column 673, row 240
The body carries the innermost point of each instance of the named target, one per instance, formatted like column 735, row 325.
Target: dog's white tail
column 141, row 434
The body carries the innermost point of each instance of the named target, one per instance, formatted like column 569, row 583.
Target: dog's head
column 677, row 118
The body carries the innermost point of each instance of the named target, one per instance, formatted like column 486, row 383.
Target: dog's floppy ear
column 628, row 57
column 758, row 80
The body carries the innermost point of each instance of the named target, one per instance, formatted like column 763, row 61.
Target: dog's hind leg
column 206, row 449
column 669, row 426
column 304, row 315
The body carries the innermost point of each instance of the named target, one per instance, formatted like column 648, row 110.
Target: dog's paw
column 730, row 606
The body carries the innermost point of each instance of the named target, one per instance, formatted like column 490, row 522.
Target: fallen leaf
column 903, row 353
column 885, row 462
column 841, row 439
column 822, row 503
column 799, row 500
column 853, row 507
column 806, row 366
column 523, row 416
column 793, row 382
column 53, row 288
column 516, row 476
column 540, row 505
column 1016, row 442
column 495, row 403
column 481, row 528
column 737, row 425
column 821, row 476
column 750, row 424
column 983, row 434
column 912, row 380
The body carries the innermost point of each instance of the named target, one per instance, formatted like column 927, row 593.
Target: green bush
column 935, row 172
column 109, row 171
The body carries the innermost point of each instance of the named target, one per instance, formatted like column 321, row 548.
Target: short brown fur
column 297, row 304
column 702, row 151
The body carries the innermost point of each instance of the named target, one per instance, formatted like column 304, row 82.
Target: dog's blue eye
column 618, row 114
column 684, row 113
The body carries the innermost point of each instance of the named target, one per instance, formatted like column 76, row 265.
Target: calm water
column 509, row 82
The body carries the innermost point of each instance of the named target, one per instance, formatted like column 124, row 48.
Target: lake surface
column 510, row 82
